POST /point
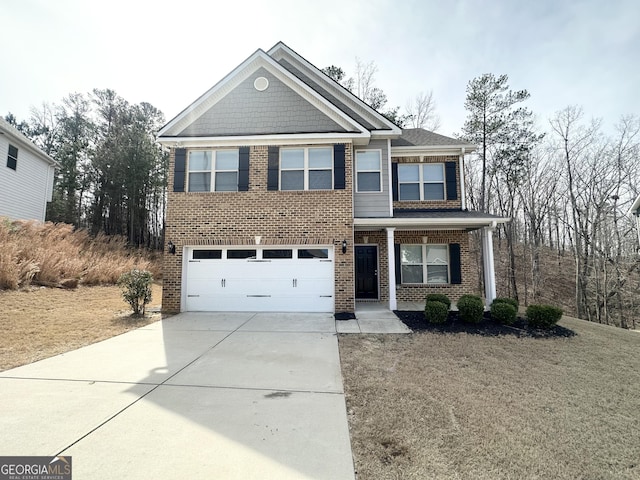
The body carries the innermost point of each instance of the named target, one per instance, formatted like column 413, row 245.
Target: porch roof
column 430, row 220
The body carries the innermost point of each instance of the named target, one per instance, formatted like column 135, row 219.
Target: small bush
column 503, row 312
column 471, row 308
column 136, row 289
column 543, row 316
column 435, row 312
column 510, row 301
column 438, row 297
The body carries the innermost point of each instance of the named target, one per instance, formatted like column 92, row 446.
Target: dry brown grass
column 48, row 253
column 459, row 406
column 42, row 322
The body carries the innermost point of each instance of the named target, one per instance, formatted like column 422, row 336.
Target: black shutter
column 394, row 180
column 338, row 167
column 454, row 263
column 243, row 169
column 179, row 170
column 452, row 183
column 396, row 248
column 273, row 169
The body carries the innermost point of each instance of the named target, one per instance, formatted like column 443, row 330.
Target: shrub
column 503, row 312
column 436, row 312
column 438, row 297
column 510, row 301
column 543, row 316
column 136, row 289
column 471, row 308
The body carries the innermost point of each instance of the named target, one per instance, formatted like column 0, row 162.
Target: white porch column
column 391, row 256
column 489, row 268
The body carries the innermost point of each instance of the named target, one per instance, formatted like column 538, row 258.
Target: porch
column 400, row 259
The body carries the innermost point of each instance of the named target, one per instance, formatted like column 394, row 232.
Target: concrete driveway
column 228, row 396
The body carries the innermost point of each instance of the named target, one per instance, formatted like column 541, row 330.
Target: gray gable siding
column 247, row 111
column 326, row 95
column 373, row 204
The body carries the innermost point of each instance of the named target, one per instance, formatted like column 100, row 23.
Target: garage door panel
column 286, row 285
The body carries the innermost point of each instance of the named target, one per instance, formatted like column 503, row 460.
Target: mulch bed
column 487, row 328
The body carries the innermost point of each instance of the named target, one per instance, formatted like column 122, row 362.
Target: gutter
column 422, row 223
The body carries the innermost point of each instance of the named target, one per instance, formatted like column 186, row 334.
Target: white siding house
column 26, row 176
column 634, row 213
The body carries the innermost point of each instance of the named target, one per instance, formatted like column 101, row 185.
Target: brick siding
column 416, row 293
column 279, row 217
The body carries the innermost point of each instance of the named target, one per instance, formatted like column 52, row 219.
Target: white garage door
column 266, row 279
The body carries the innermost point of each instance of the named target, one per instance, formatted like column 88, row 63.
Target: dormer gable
column 260, row 98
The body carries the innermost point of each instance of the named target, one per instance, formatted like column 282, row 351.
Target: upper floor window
column 213, row 171
column 306, row 168
column 12, row 158
column 421, row 181
column 424, row 263
column 368, row 171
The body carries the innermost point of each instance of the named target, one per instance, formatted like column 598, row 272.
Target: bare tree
column 573, row 141
column 363, row 86
column 421, row 112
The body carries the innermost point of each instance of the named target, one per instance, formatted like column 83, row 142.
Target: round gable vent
column 261, row 84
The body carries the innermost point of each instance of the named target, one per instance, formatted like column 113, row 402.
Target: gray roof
column 419, row 137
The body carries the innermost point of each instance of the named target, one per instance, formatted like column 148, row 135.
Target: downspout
column 462, row 190
column 390, row 181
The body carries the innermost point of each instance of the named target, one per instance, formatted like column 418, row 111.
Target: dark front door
column 367, row 271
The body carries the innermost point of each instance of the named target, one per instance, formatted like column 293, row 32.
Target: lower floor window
column 424, row 263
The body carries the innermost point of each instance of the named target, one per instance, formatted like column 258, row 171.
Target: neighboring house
column 634, row 213
column 26, row 176
column 288, row 193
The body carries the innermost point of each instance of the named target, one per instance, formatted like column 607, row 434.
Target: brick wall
column 431, row 203
column 416, row 293
column 279, row 217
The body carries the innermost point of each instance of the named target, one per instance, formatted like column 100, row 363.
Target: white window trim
column 421, row 182
column 213, row 171
column 12, row 157
column 379, row 170
column 306, row 169
column 425, row 264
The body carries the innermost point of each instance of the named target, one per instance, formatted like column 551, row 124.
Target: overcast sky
column 168, row 53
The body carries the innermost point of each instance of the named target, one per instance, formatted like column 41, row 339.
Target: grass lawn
column 42, row 322
column 443, row 405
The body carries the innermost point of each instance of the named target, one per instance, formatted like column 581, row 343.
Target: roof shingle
column 419, row 137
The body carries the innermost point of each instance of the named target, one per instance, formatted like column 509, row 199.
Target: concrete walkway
column 228, row 396
column 372, row 317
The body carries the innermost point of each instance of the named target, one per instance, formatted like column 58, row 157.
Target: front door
column 367, row 271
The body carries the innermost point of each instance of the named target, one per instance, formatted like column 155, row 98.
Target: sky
column 168, row 53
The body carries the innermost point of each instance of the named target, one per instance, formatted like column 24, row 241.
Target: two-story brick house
column 288, row 193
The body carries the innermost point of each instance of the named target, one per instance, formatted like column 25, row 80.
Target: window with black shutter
column 451, row 180
column 338, row 167
column 179, row 169
column 273, row 168
column 243, row 170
